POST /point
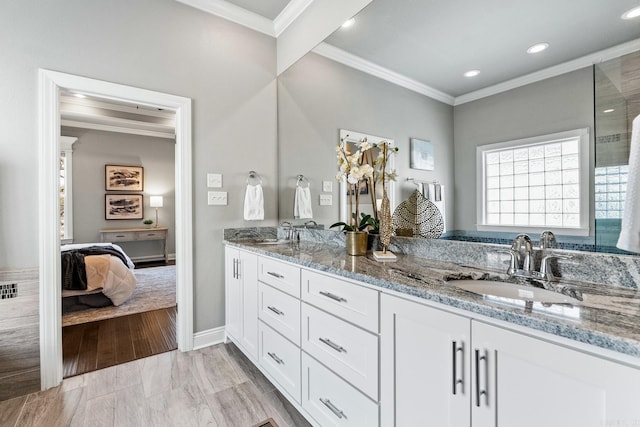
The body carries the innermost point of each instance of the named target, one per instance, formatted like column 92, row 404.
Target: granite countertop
column 607, row 317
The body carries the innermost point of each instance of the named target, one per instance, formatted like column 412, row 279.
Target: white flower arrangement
column 354, row 168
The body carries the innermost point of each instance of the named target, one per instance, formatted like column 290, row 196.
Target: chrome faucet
column 522, row 240
column 289, row 231
column 521, row 264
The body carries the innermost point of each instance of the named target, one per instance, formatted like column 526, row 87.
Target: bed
column 95, row 275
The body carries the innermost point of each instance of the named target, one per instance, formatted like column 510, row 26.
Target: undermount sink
column 513, row 291
column 272, row 241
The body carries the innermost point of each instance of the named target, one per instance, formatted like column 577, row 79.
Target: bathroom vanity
column 355, row 342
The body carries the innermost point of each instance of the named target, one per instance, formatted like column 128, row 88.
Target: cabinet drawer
column 280, row 275
column 333, row 402
column 281, row 359
column 354, row 303
column 150, row 235
column 280, row 311
column 124, row 236
column 348, row 350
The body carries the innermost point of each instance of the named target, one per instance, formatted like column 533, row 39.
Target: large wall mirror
column 318, row 96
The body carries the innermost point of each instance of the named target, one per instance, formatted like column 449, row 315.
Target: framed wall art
column 123, row 178
column 422, row 155
column 123, row 206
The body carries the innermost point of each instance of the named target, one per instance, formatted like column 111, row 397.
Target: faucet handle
column 545, row 267
column 513, row 262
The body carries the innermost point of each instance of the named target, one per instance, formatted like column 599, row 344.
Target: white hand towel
column 253, row 203
column 435, row 194
column 629, row 239
column 302, row 203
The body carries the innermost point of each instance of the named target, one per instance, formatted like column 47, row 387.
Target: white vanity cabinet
column 444, row 369
column 425, row 365
column 241, row 299
column 530, row 382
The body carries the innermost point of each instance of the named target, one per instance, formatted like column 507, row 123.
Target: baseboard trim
column 208, row 338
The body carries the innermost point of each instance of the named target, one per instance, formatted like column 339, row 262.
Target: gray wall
column 227, row 70
column 95, row 149
column 317, row 97
column 553, row 105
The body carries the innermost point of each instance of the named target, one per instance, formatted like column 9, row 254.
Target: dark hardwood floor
column 96, row 345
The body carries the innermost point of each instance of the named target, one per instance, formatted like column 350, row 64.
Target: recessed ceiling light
column 609, row 110
column 631, row 13
column 79, row 95
column 348, row 23
column 537, row 48
column 472, row 73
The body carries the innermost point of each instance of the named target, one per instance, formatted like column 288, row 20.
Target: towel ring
column 254, row 178
column 302, row 182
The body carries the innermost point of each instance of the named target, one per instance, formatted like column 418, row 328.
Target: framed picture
column 123, row 178
column 422, row 155
column 123, row 206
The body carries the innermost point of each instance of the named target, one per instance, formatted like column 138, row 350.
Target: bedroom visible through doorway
column 52, row 86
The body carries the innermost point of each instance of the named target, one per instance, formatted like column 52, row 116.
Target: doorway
column 51, row 84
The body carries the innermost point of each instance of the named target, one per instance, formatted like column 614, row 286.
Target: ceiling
column 429, row 44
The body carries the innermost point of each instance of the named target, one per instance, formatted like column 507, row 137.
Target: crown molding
column 234, row 13
column 566, row 67
column 290, row 13
column 353, row 61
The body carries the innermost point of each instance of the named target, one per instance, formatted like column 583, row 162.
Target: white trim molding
column 51, row 83
column 566, row 67
column 233, row 13
column 290, row 13
column 353, row 61
column 208, row 338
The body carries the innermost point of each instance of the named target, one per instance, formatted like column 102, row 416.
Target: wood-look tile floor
column 214, row 386
column 96, row 345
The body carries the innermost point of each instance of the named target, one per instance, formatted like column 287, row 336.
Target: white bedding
column 117, row 281
column 72, row 246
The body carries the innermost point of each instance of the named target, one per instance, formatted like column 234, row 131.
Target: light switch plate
column 326, row 200
column 217, row 197
column 327, row 186
column 214, row 180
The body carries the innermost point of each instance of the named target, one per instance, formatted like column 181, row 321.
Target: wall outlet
column 217, row 198
column 214, row 180
column 326, row 200
column 327, row 186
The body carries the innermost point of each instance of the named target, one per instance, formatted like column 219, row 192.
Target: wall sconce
column 155, row 202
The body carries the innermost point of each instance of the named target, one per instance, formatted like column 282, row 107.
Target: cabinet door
column 249, row 279
column 529, row 382
column 233, row 294
column 425, row 366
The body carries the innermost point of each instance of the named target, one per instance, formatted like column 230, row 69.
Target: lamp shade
column 155, row 201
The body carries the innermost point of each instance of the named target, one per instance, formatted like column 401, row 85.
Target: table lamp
column 155, row 202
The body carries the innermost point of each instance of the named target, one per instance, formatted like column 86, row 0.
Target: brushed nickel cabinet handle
column 332, row 408
column 480, row 390
column 275, row 310
column 276, row 275
column 332, row 296
column 333, row 345
column 454, row 355
column 276, row 358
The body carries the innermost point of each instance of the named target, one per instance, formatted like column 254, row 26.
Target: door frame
column 50, row 85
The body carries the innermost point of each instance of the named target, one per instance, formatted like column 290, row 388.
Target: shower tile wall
column 19, row 333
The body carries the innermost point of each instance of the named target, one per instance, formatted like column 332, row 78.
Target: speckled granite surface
column 608, row 316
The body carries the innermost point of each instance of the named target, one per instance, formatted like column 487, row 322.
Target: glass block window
column 534, row 183
column 610, row 189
